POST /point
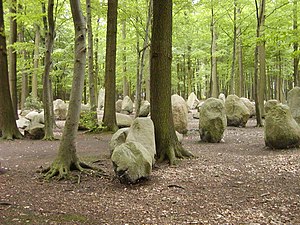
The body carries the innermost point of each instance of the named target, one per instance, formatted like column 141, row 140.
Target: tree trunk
column 8, row 125
column 214, row 92
column 92, row 80
column 125, row 80
column 36, row 62
column 47, row 87
column 240, row 59
column 189, row 71
column 13, row 57
column 142, row 62
column 232, row 74
column 295, row 44
column 167, row 145
column 67, row 159
column 109, row 117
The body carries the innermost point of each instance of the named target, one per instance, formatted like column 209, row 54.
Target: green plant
column 32, row 103
column 88, row 121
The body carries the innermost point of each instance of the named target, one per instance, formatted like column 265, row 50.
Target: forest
column 70, row 71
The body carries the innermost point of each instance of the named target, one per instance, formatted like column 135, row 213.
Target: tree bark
column 13, row 57
column 295, row 44
column 167, row 145
column 67, row 159
column 214, row 92
column 36, row 62
column 8, row 125
column 125, row 80
column 109, row 117
column 47, row 87
column 232, row 74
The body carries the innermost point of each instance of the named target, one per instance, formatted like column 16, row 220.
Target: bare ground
column 238, row 181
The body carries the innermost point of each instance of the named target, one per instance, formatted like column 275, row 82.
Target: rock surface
column 236, row 111
column 293, row 100
column 180, row 113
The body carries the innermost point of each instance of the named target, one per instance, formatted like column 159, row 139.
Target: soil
column 238, row 181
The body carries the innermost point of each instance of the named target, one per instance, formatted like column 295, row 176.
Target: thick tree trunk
column 167, row 145
column 47, row 87
column 109, row 117
column 8, row 125
column 295, row 44
column 67, row 159
column 13, row 57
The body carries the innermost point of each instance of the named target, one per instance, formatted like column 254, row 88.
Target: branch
column 277, row 9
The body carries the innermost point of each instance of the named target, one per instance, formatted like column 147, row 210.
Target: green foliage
column 33, row 104
column 88, row 121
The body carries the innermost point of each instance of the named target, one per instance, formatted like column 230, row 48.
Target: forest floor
column 238, row 181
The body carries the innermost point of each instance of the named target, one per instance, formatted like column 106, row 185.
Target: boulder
column 127, row 105
column 119, row 105
column 180, row 113
column 270, row 104
column 22, row 122
column 250, row 105
column 237, row 113
column 60, row 109
column 35, row 131
column 192, row 101
column 293, row 101
column 222, row 97
column 142, row 131
column 144, row 109
column 101, row 98
column 212, row 120
column 132, row 162
column 118, row 138
column 31, row 115
column 281, row 129
column 123, row 120
column 85, row 107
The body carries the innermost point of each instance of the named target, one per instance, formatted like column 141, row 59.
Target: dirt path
column 235, row 182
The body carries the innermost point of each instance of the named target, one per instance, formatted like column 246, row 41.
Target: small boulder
column 250, row 105
column 281, row 129
column 22, row 122
column 127, row 105
column 192, row 101
column 35, row 131
column 119, row 105
column 132, row 162
column 222, row 97
column 270, row 104
column 293, row 100
column 180, row 113
column 212, row 120
column 60, row 109
column 144, row 109
column 118, row 138
column 31, row 115
column 237, row 113
column 123, row 120
column 101, row 98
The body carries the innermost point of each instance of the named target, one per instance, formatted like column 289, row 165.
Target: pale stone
column 180, row 113
column 118, row 138
column 293, row 100
column 236, row 111
column 123, row 120
column 127, row 105
column 250, row 105
column 60, row 109
column 192, row 101
column 101, row 98
column 144, row 109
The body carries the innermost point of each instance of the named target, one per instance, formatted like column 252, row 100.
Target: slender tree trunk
column 240, row 59
column 109, row 117
column 24, row 90
column 47, row 87
column 8, row 125
column 189, row 70
column 142, row 62
column 92, row 80
column 214, row 92
column 36, row 62
column 232, row 74
column 295, row 44
column 13, row 57
column 67, row 159
column 125, row 80
column 167, row 145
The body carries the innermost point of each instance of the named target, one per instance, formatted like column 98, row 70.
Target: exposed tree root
column 11, row 136
column 174, row 153
column 62, row 171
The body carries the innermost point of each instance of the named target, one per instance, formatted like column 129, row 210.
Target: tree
column 167, row 145
column 109, row 117
column 214, row 92
column 67, row 159
column 36, row 56
column 13, row 57
column 47, row 84
column 8, row 125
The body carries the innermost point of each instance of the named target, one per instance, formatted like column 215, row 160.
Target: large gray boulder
column 101, row 98
column 127, row 105
column 281, row 129
column 250, row 105
column 132, row 162
column 180, row 113
column 144, row 109
column 60, row 109
column 22, row 122
column 212, row 120
column 123, row 120
column 237, row 113
column 118, row 138
column 192, row 101
column 142, row 131
column 293, row 101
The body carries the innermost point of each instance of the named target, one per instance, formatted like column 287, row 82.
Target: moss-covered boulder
column 212, row 120
column 293, row 100
column 144, row 109
column 281, row 130
column 132, row 162
column 118, row 138
column 127, row 105
column 180, row 113
column 236, row 111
